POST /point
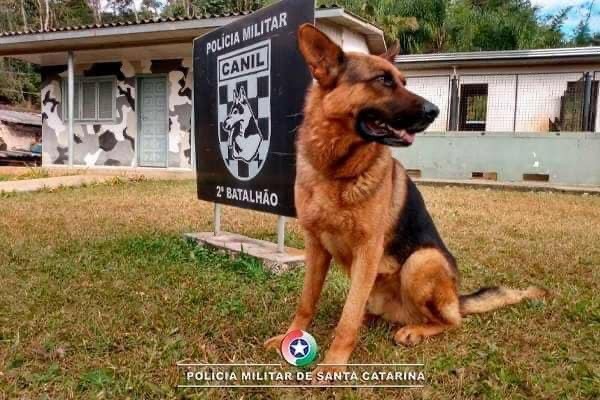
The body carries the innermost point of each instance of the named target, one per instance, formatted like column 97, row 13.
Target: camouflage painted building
column 132, row 86
column 114, row 139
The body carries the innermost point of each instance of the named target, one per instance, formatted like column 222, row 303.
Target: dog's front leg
column 318, row 261
column 363, row 273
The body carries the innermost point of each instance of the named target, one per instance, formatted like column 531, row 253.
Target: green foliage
column 19, row 82
column 72, row 12
column 423, row 26
column 583, row 34
column 179, row 8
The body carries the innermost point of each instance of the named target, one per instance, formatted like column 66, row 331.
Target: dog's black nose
column 430, row 111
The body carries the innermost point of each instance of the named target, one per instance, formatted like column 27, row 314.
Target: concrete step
column 235, row 244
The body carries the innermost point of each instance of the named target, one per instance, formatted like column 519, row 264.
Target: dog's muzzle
column 373, row 126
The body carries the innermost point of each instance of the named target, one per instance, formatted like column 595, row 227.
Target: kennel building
column 512, row 116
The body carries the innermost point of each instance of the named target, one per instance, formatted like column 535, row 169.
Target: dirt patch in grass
column 100, row 297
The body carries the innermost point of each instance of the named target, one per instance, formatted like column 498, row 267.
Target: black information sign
column 250, row 81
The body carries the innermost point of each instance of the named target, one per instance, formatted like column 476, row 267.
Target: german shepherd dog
column 357, row 205
column 242, row 127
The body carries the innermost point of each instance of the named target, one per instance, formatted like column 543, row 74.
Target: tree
column 583, row 35
column 203, row 7
column 96, row 7
column 19, row 82
column 462, row 25
column 150, row 9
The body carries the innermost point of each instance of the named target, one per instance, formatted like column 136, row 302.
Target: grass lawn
column 23, row 174
column 100, row 297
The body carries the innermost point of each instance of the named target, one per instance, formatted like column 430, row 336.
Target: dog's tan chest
column 318, row 205
column 339, row 248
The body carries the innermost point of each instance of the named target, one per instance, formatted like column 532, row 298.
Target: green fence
column 565, row 158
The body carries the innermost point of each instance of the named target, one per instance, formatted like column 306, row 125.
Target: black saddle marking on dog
column 415, row 229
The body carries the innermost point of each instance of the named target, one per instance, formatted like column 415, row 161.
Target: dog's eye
column 386, row 80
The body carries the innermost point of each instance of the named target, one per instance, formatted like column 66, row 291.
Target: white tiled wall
column 539, row 99
column 500, row 102
column 348, row 40
column 352, row 41
column 334, row 32
column 436, row 89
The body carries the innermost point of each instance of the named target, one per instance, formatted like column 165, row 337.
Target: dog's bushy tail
column 492, row 298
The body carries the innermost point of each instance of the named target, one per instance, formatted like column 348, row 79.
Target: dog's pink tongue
column 408, row 138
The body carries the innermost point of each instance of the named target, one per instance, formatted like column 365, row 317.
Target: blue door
column 153, row 129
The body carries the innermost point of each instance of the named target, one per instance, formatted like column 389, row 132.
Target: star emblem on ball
column 299, row 348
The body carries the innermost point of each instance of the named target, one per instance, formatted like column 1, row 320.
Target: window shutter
column 105, row 100
column 88, row 92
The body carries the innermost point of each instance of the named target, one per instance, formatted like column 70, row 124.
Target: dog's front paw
column 323, row 374
column 274, row 343
column 408, row 336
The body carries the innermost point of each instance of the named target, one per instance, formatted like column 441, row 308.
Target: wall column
column 70, row 99
column 453, row 118
column 193, row 124
column 588, row 124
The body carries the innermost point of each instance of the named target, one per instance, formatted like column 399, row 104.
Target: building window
column 473, row 107
column 94, row 99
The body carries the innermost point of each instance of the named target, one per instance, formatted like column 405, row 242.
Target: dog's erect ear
column 392, row 52
column 325, row 59
column 242, row 93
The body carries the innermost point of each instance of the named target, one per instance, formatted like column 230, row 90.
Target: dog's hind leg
column 411, row 335
column 318, row 261
column 429, row 295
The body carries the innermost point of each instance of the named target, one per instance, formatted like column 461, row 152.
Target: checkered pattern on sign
column 257, row 89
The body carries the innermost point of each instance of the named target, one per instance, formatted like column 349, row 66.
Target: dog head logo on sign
column 245, row 109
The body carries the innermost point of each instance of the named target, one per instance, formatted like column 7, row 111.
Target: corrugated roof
column 505, row 56
column 159, row 31
column 116, row 24
column 155, row 21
